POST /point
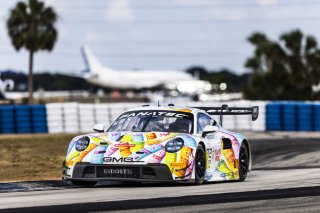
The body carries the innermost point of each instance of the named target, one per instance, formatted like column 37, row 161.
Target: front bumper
column 120, row 172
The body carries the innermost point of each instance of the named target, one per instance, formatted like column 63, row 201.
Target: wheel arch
column 202, row 144
column 246, row 143
column 200, row 180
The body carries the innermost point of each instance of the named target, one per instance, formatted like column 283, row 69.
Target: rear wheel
column 243, row 162
column 84, row 183
column 200, row 165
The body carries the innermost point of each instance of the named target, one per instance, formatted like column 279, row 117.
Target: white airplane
column 4, row 86
column 100, row 75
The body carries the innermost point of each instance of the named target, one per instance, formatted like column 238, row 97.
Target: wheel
column 243, row 162
column 200, row 165
column 84, row 183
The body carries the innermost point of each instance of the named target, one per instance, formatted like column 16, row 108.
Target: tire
column 84, row 183
column 200, row 165
column 243, row 162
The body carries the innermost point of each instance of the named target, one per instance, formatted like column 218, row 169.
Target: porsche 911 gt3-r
column 161, row 143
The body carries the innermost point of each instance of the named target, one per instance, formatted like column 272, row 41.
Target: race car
column 162, row 144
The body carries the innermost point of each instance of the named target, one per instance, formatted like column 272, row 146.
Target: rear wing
column 225, row 110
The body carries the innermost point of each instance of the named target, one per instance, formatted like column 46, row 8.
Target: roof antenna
column 171, row 103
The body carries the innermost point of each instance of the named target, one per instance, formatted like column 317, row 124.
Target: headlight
column 82, row 143
column 174, row 145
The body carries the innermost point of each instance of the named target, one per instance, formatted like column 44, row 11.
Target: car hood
column 122, row 147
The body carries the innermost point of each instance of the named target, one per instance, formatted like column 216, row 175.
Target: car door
column 211, row 140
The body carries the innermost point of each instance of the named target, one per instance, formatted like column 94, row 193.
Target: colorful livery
column 164, row 143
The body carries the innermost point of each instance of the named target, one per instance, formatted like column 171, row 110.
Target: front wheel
column 84, row 183
column 243, row 162
column 200, row 165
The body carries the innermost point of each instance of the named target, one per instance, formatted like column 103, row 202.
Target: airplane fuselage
column 124, row 79
column 101, row 75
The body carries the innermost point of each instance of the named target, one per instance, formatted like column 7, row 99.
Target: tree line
column 47, row 81
column 287, row 69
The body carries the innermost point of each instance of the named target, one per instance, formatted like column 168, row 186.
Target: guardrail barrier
column 80, row 118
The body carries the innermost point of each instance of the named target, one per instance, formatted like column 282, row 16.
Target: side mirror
column 98, row 127
column 209, row 129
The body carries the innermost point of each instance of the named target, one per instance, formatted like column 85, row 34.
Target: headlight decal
column 82, row 143
column 174, row 145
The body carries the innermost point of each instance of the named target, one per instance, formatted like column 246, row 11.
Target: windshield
column 153, row 121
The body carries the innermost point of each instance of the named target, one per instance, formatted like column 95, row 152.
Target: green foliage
column 52, row 82
column 31, row 26
column 49, row 81
column 283, row 70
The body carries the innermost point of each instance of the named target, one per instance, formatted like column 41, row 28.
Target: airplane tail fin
column 92, row 63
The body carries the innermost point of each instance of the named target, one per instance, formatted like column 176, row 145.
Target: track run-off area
column 285, row 178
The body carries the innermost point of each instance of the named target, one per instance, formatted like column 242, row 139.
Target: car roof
column 166, row 108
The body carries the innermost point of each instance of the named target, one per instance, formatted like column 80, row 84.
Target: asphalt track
column 286, row 178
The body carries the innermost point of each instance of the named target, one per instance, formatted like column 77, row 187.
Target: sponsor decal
column 217, row 154
column 121, row 171
column 179, row 165
column 124, row 145
column 120, row 160
column 211, row 136
column 214, row 155
column 155, row 113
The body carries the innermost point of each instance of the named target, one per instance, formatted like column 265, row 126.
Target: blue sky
column 166, row 34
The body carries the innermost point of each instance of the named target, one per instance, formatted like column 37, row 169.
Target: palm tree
column 31, row 25
column 284, row 69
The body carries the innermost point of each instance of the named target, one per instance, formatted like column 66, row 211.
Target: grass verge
column 32, row 157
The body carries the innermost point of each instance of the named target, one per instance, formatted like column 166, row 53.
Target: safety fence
column 293, row 116
column 23, row 119
column 75, row 117
column 80, row 118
